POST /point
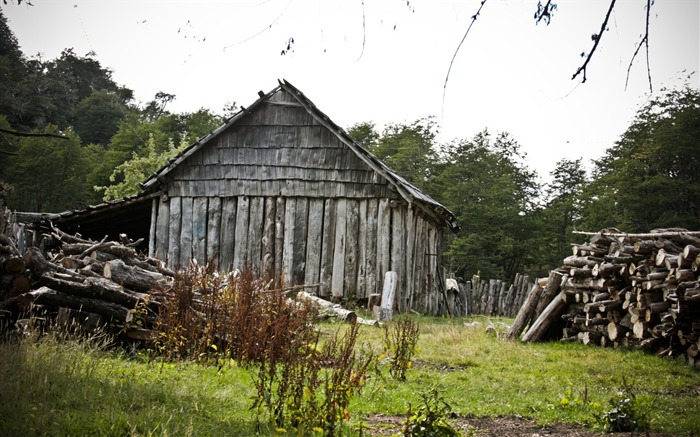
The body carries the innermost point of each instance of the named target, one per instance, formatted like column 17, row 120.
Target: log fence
column 491, row 297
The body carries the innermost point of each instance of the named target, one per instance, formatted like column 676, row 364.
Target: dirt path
column 381, row 425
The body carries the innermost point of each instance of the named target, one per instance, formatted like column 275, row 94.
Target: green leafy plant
column 431, row 418
column 627, row 414
column 400, row 340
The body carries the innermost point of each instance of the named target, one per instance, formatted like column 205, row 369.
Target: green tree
column 561, row 214
column 12, row 73
column 408, row 149
column 128, row 175
column 97, row 117
column 649, row 178
column 493, row 194
column 139, row 145
column 48, row 174
column 365, row 134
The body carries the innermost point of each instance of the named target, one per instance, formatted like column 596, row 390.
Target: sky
column 386, row 61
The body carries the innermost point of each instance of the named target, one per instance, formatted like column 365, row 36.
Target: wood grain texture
column 338, row 275
column 186, row 240
column 327, row 246
column 174, row 232
column 227, row 232
column 241, row 253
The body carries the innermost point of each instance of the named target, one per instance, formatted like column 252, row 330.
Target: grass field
column 74, row 388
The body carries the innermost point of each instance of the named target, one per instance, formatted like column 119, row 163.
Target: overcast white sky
column 510, row 74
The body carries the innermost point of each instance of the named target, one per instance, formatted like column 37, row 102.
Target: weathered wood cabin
column 284, row 190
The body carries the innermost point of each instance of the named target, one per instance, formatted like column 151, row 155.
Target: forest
column 70, row 136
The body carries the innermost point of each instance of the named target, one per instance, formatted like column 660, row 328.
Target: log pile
column 98, row 284
column 639, row 290
column 84, row 281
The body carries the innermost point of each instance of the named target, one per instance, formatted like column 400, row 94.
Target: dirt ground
column 381, row 425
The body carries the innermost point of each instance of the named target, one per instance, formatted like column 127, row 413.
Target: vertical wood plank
column 240, row 245
column 327, row 247
column 398, row 248
column 410, row 255
column 301, row 224
column 214, row 231
column 432, row 271
column 383, row 238
column 173, row 254
column 280, row 208
column 161, row 231
column 268, row 239
column 199, row 229
column 352, row 228
column 362, row 250
column 228, row 232
column 186, row 233
column 371, row 248
column 257, row 209
column 313, row 242
column 337, row 279
column 288, row 245
column 417, row 299
column 152, row 228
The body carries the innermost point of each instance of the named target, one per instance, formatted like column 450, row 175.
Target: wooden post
column 384, row 312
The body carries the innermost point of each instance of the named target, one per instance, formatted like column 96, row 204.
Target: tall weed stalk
column 235, row 315
column 310, row 390
column 400, row 341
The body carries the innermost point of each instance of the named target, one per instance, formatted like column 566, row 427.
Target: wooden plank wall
column 345, row 245
column 281, row 193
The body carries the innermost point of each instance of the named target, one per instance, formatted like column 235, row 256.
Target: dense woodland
column 70, row 136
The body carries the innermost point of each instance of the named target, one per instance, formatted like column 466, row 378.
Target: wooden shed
column 282, row 189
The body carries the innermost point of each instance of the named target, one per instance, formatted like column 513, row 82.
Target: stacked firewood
column 629, row 290
column 101, row 283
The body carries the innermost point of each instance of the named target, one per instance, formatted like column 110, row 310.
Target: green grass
column 81, row 388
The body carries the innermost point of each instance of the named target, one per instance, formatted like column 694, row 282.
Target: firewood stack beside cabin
column 623, row 289
column 90, row 282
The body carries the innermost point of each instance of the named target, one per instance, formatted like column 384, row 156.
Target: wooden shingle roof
column 411, row 194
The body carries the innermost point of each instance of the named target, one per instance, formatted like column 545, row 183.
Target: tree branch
column 645, row 41
column 447, row 77
column 596, row 38
column 545, row 12
column 29, row 134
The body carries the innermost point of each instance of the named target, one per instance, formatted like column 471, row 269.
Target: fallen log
column 556, row 279
column 133, row 277
column 94, row 288
column 525, row 313
column 342, row 313
column 52, row 298
column 545, row 320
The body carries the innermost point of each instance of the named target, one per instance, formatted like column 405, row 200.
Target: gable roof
column 411, row 194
